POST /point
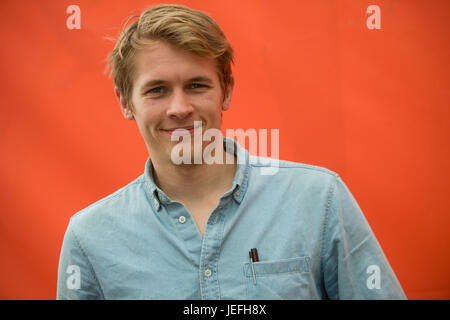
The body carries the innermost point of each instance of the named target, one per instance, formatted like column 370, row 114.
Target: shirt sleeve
column 353, row 263
column 76, row 277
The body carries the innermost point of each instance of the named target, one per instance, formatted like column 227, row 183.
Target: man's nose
column 180, row 106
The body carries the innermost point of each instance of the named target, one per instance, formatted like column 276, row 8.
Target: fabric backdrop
column 369, row 104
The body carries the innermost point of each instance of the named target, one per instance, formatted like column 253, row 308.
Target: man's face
column 172, row 89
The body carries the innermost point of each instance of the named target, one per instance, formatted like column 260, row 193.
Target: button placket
column 209, row 258
column 186, row 230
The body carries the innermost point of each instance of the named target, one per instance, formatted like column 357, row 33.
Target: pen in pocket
column 253, row 253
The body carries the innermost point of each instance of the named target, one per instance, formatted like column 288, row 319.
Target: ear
column 124, row 106
column 229, row 92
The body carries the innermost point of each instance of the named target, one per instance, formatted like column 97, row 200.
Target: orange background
column 372, row 105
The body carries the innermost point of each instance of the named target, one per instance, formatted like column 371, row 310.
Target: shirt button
column 182, row 219
column 207, row 273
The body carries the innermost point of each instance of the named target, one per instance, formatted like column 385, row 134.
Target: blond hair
column 185, row 28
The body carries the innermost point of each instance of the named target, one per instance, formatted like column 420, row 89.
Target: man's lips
column 181, row 130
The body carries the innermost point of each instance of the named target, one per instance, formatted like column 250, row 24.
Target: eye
column 196, row 86
column 157, row 90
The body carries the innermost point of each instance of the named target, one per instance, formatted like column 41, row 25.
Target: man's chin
column 185, row 153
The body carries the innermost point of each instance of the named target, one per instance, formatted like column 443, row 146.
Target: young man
column 187, row 230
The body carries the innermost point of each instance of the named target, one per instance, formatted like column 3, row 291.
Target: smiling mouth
column 181, row 131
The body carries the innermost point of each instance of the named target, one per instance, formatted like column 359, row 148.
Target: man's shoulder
column 112, row 204
column 306, row 168
column 294, row 179
column 291, row 169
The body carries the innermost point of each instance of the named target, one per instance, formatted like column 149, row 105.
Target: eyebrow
column 156, row 82
column 201, row 79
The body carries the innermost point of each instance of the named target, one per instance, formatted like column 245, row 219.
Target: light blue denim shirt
column 313, row 242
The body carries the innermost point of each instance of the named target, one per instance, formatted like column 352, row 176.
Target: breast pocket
column 278, row 279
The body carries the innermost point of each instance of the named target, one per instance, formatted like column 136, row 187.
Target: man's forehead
column 161, row 54
column 167, row 63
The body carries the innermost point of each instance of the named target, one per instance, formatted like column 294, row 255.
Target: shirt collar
column 239, row 187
